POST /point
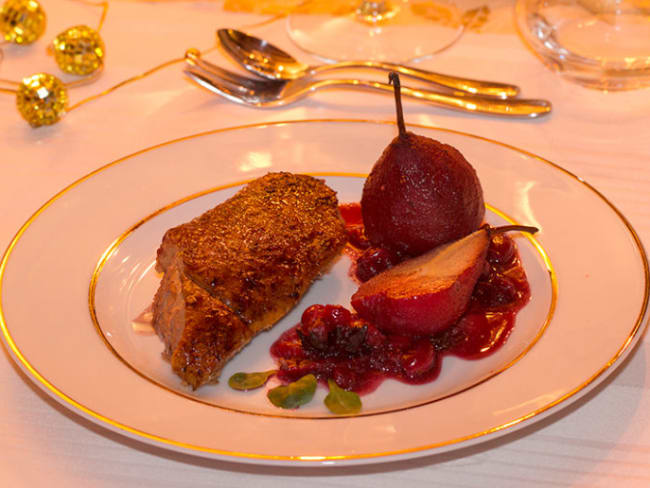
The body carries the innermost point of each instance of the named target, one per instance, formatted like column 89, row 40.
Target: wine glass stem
column 373, row 11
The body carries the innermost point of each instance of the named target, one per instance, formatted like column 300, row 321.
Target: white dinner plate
column 81, row 269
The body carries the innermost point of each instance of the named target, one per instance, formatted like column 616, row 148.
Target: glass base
column 606, row 49
column 405, row 33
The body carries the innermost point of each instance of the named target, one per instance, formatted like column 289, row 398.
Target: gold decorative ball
column 21, row 21
column 79, row 50
column 41, row 99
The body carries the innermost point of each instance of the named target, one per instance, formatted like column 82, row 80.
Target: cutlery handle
column 475, row 87
column 519, row 107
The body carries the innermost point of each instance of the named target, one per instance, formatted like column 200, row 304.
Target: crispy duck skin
column 238, row 268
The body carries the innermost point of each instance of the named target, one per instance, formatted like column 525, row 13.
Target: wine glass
column 393, row 30
column 602, row 44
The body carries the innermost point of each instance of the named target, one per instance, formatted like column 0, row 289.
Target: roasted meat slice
column 199, row 331
column 238, row 268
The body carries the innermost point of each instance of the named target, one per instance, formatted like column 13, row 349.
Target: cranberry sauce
column 367, row 261
column 351, row 213
column 332, row 342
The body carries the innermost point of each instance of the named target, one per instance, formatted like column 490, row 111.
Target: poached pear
column 429, row 293
column 420, row 193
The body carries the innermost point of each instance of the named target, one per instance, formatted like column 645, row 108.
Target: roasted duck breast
column 238, row 268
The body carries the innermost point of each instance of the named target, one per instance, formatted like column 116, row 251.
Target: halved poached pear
column 429, row 293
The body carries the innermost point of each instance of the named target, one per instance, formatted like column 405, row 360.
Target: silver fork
column 272, row 93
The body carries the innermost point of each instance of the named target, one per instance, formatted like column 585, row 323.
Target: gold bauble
column 21, row 21
column 79, row 50
column 41, row 99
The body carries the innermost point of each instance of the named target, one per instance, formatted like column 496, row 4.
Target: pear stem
column 511, row 228
column 394, row 79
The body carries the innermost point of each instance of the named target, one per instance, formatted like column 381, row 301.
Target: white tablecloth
column 601, row 440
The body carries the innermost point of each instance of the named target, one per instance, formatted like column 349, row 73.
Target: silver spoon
column 269, row 61
column 273, row 93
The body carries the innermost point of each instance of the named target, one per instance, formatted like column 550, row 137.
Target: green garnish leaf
column 294, row 394
column 250, row 381
column 340, row 401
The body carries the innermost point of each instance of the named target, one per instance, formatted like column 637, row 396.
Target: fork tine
column 193, row 58
column 218, row 85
